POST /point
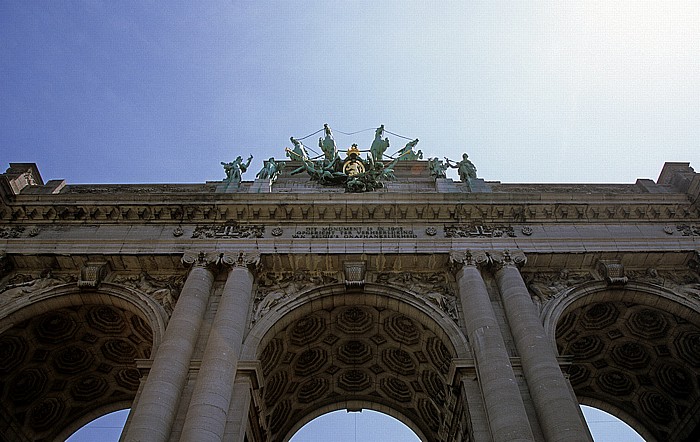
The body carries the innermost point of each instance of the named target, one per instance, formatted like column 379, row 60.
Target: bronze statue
column 465, row 168
column 327, row 145
column 379, row 145
column 271, row 169
column 298, row 153
column 437, row 168
column 235, row 169
column 407, row 154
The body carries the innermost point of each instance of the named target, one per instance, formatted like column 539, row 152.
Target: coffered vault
column 240, row 310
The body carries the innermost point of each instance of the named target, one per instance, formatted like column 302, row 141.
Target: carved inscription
column 355, row 232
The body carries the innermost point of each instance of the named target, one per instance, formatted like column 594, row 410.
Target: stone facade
column 471, row 311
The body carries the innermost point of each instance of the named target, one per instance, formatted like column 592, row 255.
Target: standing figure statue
column 235, row 169
column 327, row 145
column 465, row 168
column 437, row 168
column 379, row 145
column 271, row 169
column 406, row 153
column 298, row 153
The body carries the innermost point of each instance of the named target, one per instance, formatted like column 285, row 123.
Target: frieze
column 390, row 232
column 432, row 287
column 229, row 231
column 276, row 287
column 478, row 231
column 164, row 289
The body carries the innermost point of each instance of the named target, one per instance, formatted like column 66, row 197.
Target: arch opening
column 106, row 428
column 360, row 351
column 345, row 426
column 64, row 366
column 634, row 356
column 606, row 426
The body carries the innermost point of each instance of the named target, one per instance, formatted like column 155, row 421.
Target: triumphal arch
column 241, row 309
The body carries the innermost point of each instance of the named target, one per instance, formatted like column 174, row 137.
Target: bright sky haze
column 152, row 92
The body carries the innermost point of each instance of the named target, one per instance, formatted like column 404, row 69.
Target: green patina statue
column 271, row 170
column 407, row 154
column 298, row 153
column 327, row 145
column 465, row 168
column 235, row 169
column 437, row 168
column 379, row 145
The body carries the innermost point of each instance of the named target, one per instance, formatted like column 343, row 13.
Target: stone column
column 209, row 406
column 504, row 406
column 157, row 406
column 556, row 407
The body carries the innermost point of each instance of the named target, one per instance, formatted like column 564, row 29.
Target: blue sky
column 534, row 91
column 144, row 91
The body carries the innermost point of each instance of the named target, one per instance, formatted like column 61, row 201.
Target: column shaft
column 556, row 407
column 504, row 406
column 157, row 406
column 206, row 416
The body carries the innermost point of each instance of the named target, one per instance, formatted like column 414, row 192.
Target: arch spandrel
column 635, row 352
column 379, row 348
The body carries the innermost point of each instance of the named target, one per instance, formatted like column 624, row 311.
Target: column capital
column 201, row 259
column 508, row 258
column 473, row 258
column 490, row 258
column 250, row 260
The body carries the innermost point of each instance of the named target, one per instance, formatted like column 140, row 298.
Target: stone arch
column 635, row 350
column 69, row 356
column 379, row 348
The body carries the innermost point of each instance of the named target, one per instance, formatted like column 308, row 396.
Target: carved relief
column 478, row 231
column 164, row 289
column 545, row 286
column 688, row 230
column 684, row 283
column 11, row 232
column 276, row 287
column 432, row 287
column 21, row 284
column 231, row 230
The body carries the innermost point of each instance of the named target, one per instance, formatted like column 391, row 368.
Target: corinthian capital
column 469, row 258
column 201, row 259
column 241, row 259
column 514, row 258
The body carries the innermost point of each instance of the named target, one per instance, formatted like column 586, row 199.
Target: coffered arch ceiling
column 360, row 350
column 637, row 355
column 67, row 358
